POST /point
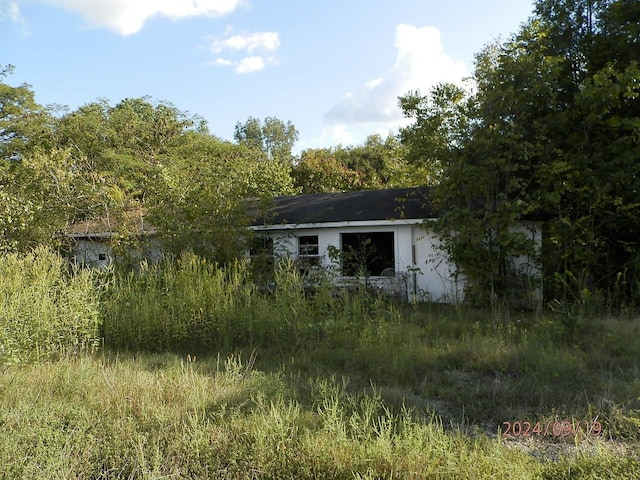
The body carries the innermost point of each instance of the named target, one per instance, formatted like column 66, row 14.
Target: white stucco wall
column 96, row 252
column 87, row 252
column 436, row 278
column 421, row 266
column 421, row 271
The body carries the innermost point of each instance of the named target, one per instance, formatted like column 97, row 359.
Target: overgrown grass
column 160, row 416
column 191, row 306
column 46, row 310
column 331, row 385
column 481, row 373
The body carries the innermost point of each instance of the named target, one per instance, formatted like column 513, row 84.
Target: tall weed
column 191, row 305
column 46, row 310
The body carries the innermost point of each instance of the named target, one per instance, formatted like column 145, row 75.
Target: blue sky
column 334, row 67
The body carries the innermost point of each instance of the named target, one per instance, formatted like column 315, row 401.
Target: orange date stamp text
column 551, row 428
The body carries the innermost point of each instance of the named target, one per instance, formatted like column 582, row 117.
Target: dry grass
column 329, row 386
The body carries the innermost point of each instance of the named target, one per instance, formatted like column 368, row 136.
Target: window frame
column 373, row 267
column 308, row 253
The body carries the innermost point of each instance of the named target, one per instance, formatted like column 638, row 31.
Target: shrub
column 45, row 310
column 191, row 305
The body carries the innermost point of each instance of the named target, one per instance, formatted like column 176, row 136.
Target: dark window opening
column 308, row 246
column 261, row 256
column 102, row 257
column 370, row 254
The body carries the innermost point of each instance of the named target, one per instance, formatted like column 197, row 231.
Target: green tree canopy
column 273, row 137
column 24, row 124
column 200, row 201
column 551, row 126
column 140, row 155
column 378, row 163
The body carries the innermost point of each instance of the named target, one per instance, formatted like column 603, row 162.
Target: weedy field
column 189, row 371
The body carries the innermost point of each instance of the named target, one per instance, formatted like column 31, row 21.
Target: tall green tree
column 38, row 188
column 273, row 137
column 200, row 203
column 320, row 171
column 40, row 196
column 377, row 163
column 24, row 124
column 552, row 126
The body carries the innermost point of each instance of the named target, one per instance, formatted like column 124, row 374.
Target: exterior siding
column 421, row 272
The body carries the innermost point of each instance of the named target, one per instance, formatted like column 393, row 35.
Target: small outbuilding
column 91, row 241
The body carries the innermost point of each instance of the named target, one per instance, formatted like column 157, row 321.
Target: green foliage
column 43, row 194
column 587, row 467
column 199, row 200
column 273, row 138
column 24, row 124
column 479, row 195
column 551, row 127
column 192, row 305
column 319, row 171
column 136, row 419
column 112, row 165
column 338, row 384
column 45, row 310
column 378, row 163
column 124, row 146
column 424, row 402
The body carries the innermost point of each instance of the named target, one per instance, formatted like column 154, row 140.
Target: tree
column 139, row 155
column 24, row 124
column 319, row 171
column 38, row 188
column 199, row 204
column 552, row 126
column 274, row 138
column 41, row 195
column 378, row 163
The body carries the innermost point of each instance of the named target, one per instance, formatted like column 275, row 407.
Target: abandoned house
column 377, row 236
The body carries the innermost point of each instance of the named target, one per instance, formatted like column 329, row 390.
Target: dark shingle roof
column 133, row 221
column 398, row 203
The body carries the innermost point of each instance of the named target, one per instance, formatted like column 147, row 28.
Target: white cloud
column 128, row 16
column 264, row 41
column 13, row 11
column 420, row 64
column 345, row 135
column 222, row 62
column 241, row 47
column 334, row 135
column 246, row 64
column 250, row 64
column 10, row 10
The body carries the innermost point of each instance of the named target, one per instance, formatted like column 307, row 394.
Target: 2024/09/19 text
column 551, row 428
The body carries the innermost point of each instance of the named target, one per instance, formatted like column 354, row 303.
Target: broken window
column 369, row 254
column 308, row 253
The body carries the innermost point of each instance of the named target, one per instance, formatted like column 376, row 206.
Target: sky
column 334, row 68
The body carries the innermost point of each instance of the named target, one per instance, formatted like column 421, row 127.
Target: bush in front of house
column 46, row 309
column 191, row 305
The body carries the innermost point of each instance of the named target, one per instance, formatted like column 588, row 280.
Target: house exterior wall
column 422, row 271
column 97, row 253
column 91, row 253
column 435, row 277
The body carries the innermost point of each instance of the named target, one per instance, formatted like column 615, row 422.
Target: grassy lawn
column 199, row 375
column 421, row 397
